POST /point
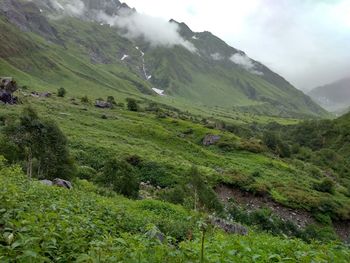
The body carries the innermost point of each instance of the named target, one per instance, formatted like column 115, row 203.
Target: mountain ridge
column 196, row 67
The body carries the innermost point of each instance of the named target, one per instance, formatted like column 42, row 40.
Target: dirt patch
column 342, row 228
column 298, row 217
column 252, row 203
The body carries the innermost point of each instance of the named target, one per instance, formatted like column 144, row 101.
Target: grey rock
column 62, row 183
column 210, row 139
column 103, row 104
column 47, row 182
column 229, row 227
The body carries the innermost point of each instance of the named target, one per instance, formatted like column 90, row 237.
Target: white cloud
column 156, row 31
column 245, row 62
column 217, row 56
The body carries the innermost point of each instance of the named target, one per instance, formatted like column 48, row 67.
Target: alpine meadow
column 125, row 137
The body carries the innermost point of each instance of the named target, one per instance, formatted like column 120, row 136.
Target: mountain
column 334, row 96
column 107, row 46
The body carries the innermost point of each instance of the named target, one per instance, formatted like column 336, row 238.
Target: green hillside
column 42, row 224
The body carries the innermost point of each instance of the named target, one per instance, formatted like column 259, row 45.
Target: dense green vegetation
column 88, row 224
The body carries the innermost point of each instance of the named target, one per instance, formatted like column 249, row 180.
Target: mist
column 156, row 31
column 245, row 62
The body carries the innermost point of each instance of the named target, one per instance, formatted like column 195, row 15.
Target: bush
column 111, row 100
column 86, row 172
column 85, row 100
column 132, row 104
column 61, row 92
column 121, row 177
column 327, row 185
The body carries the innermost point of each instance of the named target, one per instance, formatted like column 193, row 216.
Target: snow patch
column 149, row 77
column 124, row 57
column 159, row 91
column 194, row 37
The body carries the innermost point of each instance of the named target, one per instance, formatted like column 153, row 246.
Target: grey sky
column 306, row 41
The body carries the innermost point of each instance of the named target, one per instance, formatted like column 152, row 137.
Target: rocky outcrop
column 28, row 17
column 103, row 104
column 7, row 87
column 210, row 139
column 229, row 227
column 58, row 182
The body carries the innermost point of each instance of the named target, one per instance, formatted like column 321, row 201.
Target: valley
column 170, row 145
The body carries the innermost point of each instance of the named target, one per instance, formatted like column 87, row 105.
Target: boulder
column 103, row 104
column 62, row 183
column 229, row 227
column 47, row 182
column 210, row 139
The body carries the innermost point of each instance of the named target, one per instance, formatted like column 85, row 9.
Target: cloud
column 68, row 7
column 245, row 62
column 217, row 56
column 156, row 31
column 306, row 41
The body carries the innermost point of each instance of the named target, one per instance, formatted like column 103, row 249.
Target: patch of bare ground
column 299, row 217
column 252, row 203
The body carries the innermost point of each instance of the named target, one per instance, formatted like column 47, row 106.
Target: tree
column 121, row 177
column 61, row 92
column 270, row 139
column 43, row 145
column 132, row 104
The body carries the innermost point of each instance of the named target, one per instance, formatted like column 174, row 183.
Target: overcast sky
column 306, row 41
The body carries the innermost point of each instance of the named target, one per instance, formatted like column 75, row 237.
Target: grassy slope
column 93, row 139
column 41, row 224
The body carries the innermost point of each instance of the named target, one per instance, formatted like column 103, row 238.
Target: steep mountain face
column 334, row 96
column 106, row 44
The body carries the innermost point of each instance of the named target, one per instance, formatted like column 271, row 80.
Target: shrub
column 111, row 100
column 85, row 100
column 61, row 92
column 43, row 146
column 327, row 185
column 121, row 177
column 132, row 104
column 86, row 172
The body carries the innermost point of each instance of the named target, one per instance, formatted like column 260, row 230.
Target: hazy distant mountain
column 334, row 97
column 106, row 44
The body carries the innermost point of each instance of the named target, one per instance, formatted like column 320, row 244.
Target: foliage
column 326, row 185
column 132, row 104
column 48, row 224
column 61, row 92
column 41, row 145
column 121, row 177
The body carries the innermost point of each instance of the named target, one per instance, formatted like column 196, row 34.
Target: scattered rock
column 47, row 182
column 229, row 227
column 62, row 183
column 40, row 95
column 7, row 87
column 155, row 233
column 103, row 104
column 210, row 139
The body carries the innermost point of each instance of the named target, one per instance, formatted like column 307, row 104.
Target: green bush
column 327, row 185
column 121, row 177
column 132, row 104
column 61, row 92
